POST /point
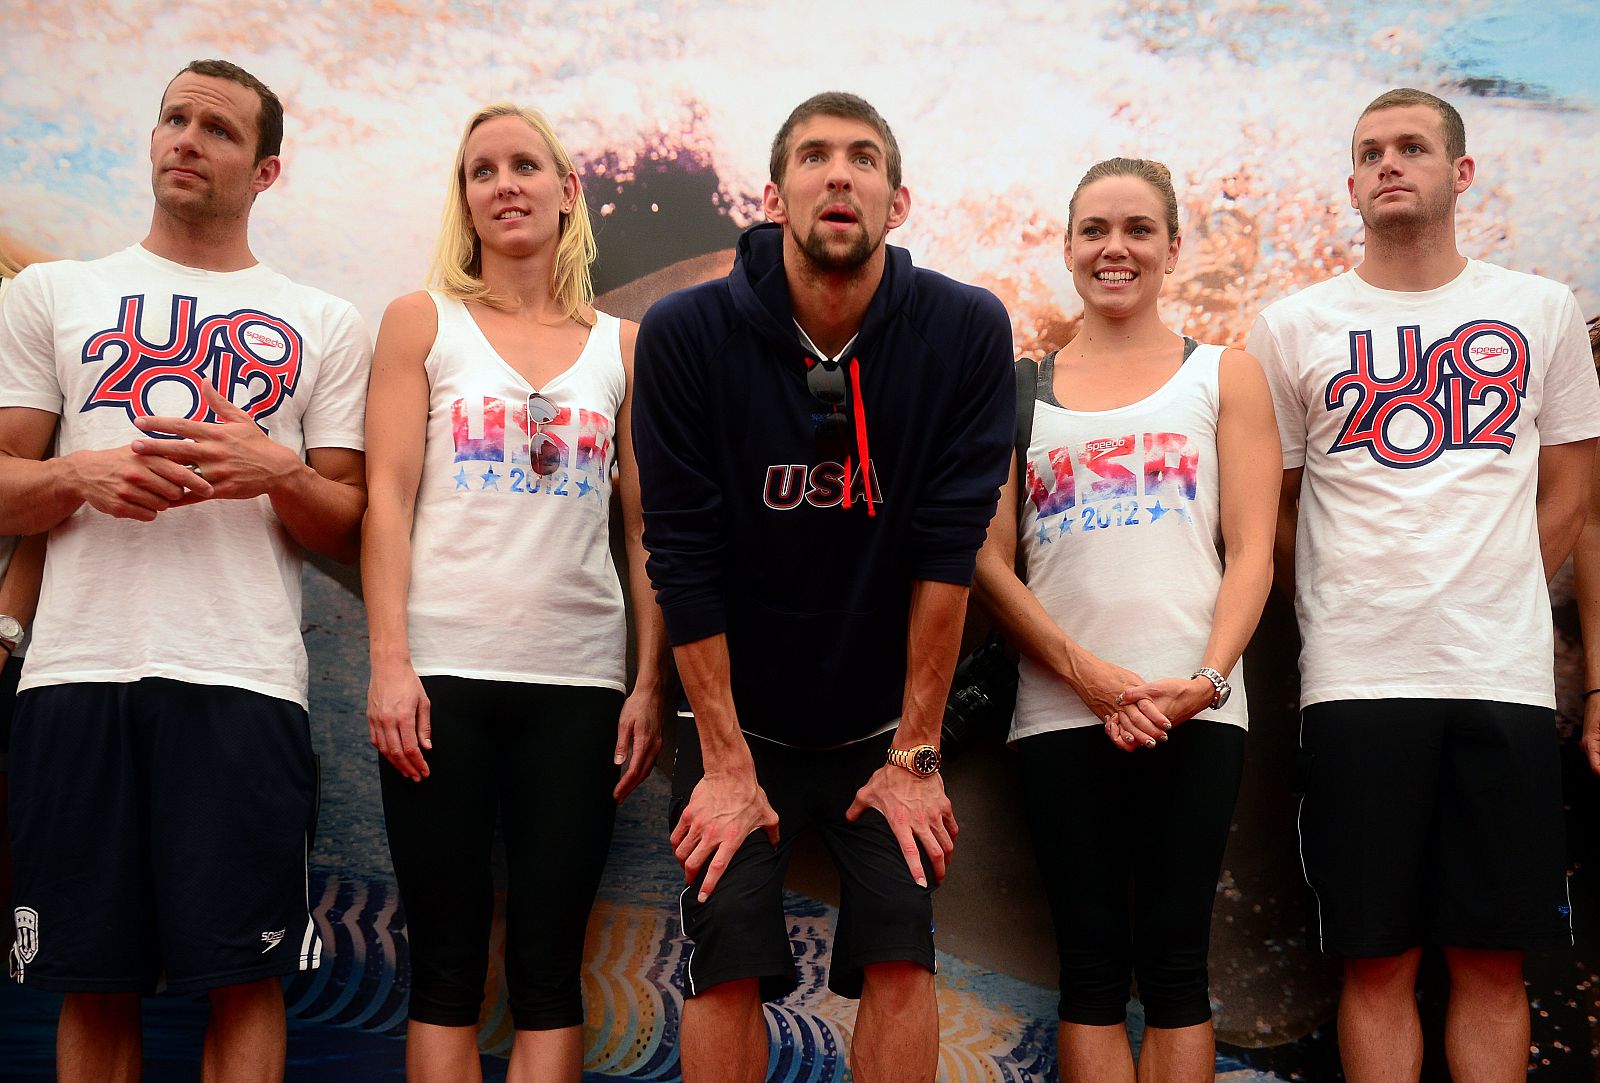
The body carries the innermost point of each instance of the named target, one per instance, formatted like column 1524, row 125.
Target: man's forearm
column 704, row 669
column 36, row 496
column 1558, row 533
column 322, row 514
column 1565, row 474
column 933, row 642
column 19, row 591
column 1283, row 540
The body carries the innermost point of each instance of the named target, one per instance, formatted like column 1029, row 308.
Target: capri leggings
column 539, row 759
column 1152, row 822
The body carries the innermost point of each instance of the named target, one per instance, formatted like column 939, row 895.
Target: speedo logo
column 256, row 338
column 271, row 940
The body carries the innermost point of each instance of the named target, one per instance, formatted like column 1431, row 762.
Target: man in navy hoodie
column 821, row 439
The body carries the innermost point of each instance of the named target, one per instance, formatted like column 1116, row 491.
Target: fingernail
column 1166, row 725
column 701, row 896
column 1150, row 741
column 922, row 881
column 617, row 759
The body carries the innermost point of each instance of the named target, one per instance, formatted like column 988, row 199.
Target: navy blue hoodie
column 749, row 533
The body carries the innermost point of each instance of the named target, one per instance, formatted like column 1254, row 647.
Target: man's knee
column 1385, row 975
column 726, row 1000
column 110, row 1011
column 896, row 981
column 1484, row 971
column 247, row 1000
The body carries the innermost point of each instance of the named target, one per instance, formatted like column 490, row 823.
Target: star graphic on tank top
column 584, row 487
column 1157, row 511
column 1066, row 526
column 490, row 478
column 1044, row 535
column 461, row 478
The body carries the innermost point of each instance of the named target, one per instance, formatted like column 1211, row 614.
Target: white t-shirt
column 1418, row 418
column 1122, row 537
column 511, row 571
column 208, row 594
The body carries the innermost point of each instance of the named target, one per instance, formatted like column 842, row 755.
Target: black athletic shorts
column 1432, row 822
column 740, row 931
column 160, row 827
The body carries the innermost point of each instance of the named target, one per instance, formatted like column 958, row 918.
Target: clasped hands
column 1136, row 713
column 230, row 459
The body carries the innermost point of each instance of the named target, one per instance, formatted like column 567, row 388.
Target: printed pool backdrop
column 669, row 108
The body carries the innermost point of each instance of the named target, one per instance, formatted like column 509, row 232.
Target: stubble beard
column 1430, row 214
column 830, row 259
column 199, row 206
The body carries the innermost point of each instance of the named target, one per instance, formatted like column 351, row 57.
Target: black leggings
column 538, row 757
column 1156, row 821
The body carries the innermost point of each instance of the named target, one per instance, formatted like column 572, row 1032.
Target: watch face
column 10, row 627
column 925, row 760
column 1223, row 694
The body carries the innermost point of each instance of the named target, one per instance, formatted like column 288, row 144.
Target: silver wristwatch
column 1219, row 682
column 10, row 632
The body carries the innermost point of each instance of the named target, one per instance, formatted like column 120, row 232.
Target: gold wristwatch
column 922, row 760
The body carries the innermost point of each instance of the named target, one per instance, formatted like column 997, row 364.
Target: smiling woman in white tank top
column 498, row 409
column 1150, row 494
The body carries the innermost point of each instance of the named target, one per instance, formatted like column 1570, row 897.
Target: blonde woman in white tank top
column 1151, row 457
column 498, row 407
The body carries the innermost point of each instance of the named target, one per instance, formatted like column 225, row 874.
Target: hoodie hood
column 761, row 292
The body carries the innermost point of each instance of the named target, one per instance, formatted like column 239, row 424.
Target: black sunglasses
column 544, row 454
column 825, row 381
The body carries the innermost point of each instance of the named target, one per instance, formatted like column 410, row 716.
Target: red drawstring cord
column 861, row 441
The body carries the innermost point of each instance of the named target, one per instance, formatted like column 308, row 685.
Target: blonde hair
column 1152, row 173
column 8, row 266
column 458, row 260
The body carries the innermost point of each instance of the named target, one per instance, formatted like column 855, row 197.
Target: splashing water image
column 669, row 108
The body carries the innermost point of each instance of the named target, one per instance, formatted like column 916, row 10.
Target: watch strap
column 1219, row 684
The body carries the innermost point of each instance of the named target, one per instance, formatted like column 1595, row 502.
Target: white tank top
column 1121, row 535
column 511, row 572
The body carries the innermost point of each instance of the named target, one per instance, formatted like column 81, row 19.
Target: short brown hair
column 835, row 103
column 269, row 122
column 1151, row 172
column 1455, row 131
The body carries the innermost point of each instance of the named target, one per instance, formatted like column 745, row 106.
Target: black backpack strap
column 1027, row 390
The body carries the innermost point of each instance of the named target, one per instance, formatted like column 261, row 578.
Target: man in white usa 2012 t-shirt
column 207, row 414
column 1438, row 416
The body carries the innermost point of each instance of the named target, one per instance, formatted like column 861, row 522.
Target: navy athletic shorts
column 740, row 931
column 1430, row 821
column 160, row 828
